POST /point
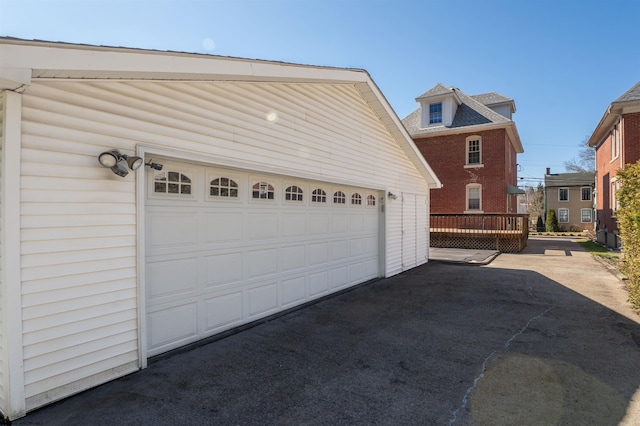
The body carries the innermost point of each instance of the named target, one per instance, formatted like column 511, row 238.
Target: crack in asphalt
column 465, row 399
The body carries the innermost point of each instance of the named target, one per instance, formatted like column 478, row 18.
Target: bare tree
column 585, row 161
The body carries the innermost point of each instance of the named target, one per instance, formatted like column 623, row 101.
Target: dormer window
column 435, row 113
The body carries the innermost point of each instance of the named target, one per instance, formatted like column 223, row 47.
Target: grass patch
column 601, row 251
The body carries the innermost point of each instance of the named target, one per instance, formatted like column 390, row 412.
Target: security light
column 115, row 160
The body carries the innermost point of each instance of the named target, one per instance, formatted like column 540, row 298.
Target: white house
column 280, row 184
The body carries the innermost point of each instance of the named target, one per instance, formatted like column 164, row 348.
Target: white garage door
column 226, row 247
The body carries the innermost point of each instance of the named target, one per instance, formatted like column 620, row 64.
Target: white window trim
column 590, row 193
column 466, row 150
column 613, row 195
column 563, row 201
column 590, row 215
column 466, row 198
column 616, row 141
column 563, row 221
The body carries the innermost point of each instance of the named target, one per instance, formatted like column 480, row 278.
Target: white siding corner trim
column 12, row 392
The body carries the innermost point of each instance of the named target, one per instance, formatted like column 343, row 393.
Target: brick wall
column 608, row 168
column 447, row 156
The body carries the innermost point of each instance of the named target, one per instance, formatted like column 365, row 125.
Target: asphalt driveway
column 543, row 337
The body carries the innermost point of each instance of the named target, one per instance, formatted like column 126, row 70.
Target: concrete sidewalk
column 543, row 337
column 465, row 256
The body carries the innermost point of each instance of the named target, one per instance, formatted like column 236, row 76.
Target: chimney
column 548, row 171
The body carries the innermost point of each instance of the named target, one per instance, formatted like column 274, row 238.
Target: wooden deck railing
column 500, row 231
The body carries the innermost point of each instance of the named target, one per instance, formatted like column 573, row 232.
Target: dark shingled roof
column 570, row 179
column 632, row 94
column 437, row 90
column 470, row 112
column 491, row 98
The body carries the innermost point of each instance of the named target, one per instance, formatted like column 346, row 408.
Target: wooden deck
column 505, row 232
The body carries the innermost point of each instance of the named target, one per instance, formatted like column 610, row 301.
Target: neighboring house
column 571, row 196
column 265, row 185
column 472, row 143
column 616, row 139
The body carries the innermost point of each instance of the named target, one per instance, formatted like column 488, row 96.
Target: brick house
column 471, row 143
column 616, row 139
column 571, row 196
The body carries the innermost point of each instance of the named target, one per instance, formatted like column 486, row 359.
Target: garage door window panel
column 263, row 191
column 356, row 199
column 371, row 200
column 294, row 194
column 339, row 198
column 173, row 182
column 319, row 196
column 223, row 188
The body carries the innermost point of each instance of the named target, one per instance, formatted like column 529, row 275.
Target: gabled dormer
column 438, row 106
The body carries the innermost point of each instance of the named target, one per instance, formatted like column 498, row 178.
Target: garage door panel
column 262, row 262
column 356, row 272
column 356, row 223
column 293, row 257
column 174, row 326
column 370, row 223
column 215, row 263
column 356, row 247
column 339, row 223
column 224, row 226
column 262, row 300
column 223, row 311
column 371, row 269
column 293, row 291
column 370, row 245
column 172, row 229
column 171, row 277
column 223, row 268
column 319, row 224
column 318, row 253
column 318, row 283
column 294, row 225
column 339, row 249
column 339, row 277
column 262, row 226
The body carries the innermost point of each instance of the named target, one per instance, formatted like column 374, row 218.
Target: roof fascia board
column 139, row 63
column 613, row 113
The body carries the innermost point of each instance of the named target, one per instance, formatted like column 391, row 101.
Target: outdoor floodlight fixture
column 392, row 195
column 115, row 160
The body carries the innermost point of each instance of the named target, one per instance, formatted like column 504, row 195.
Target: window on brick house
column 474, row 150
column 474, row 197
column 616, row 139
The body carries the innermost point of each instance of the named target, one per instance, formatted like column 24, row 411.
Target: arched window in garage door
column 172, row 182
column 263, row 191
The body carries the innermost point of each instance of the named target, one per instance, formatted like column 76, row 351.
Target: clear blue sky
column 562, row 61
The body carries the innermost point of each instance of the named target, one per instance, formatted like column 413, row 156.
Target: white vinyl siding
column 79, row 219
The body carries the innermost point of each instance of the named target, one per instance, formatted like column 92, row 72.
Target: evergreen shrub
column 552, row 221
column 628, row 215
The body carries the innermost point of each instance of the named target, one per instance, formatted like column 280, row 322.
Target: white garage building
column 280, row 184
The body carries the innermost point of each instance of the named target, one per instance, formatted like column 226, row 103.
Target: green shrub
column 540, row 225
column 552, row 221
column 628, row 216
